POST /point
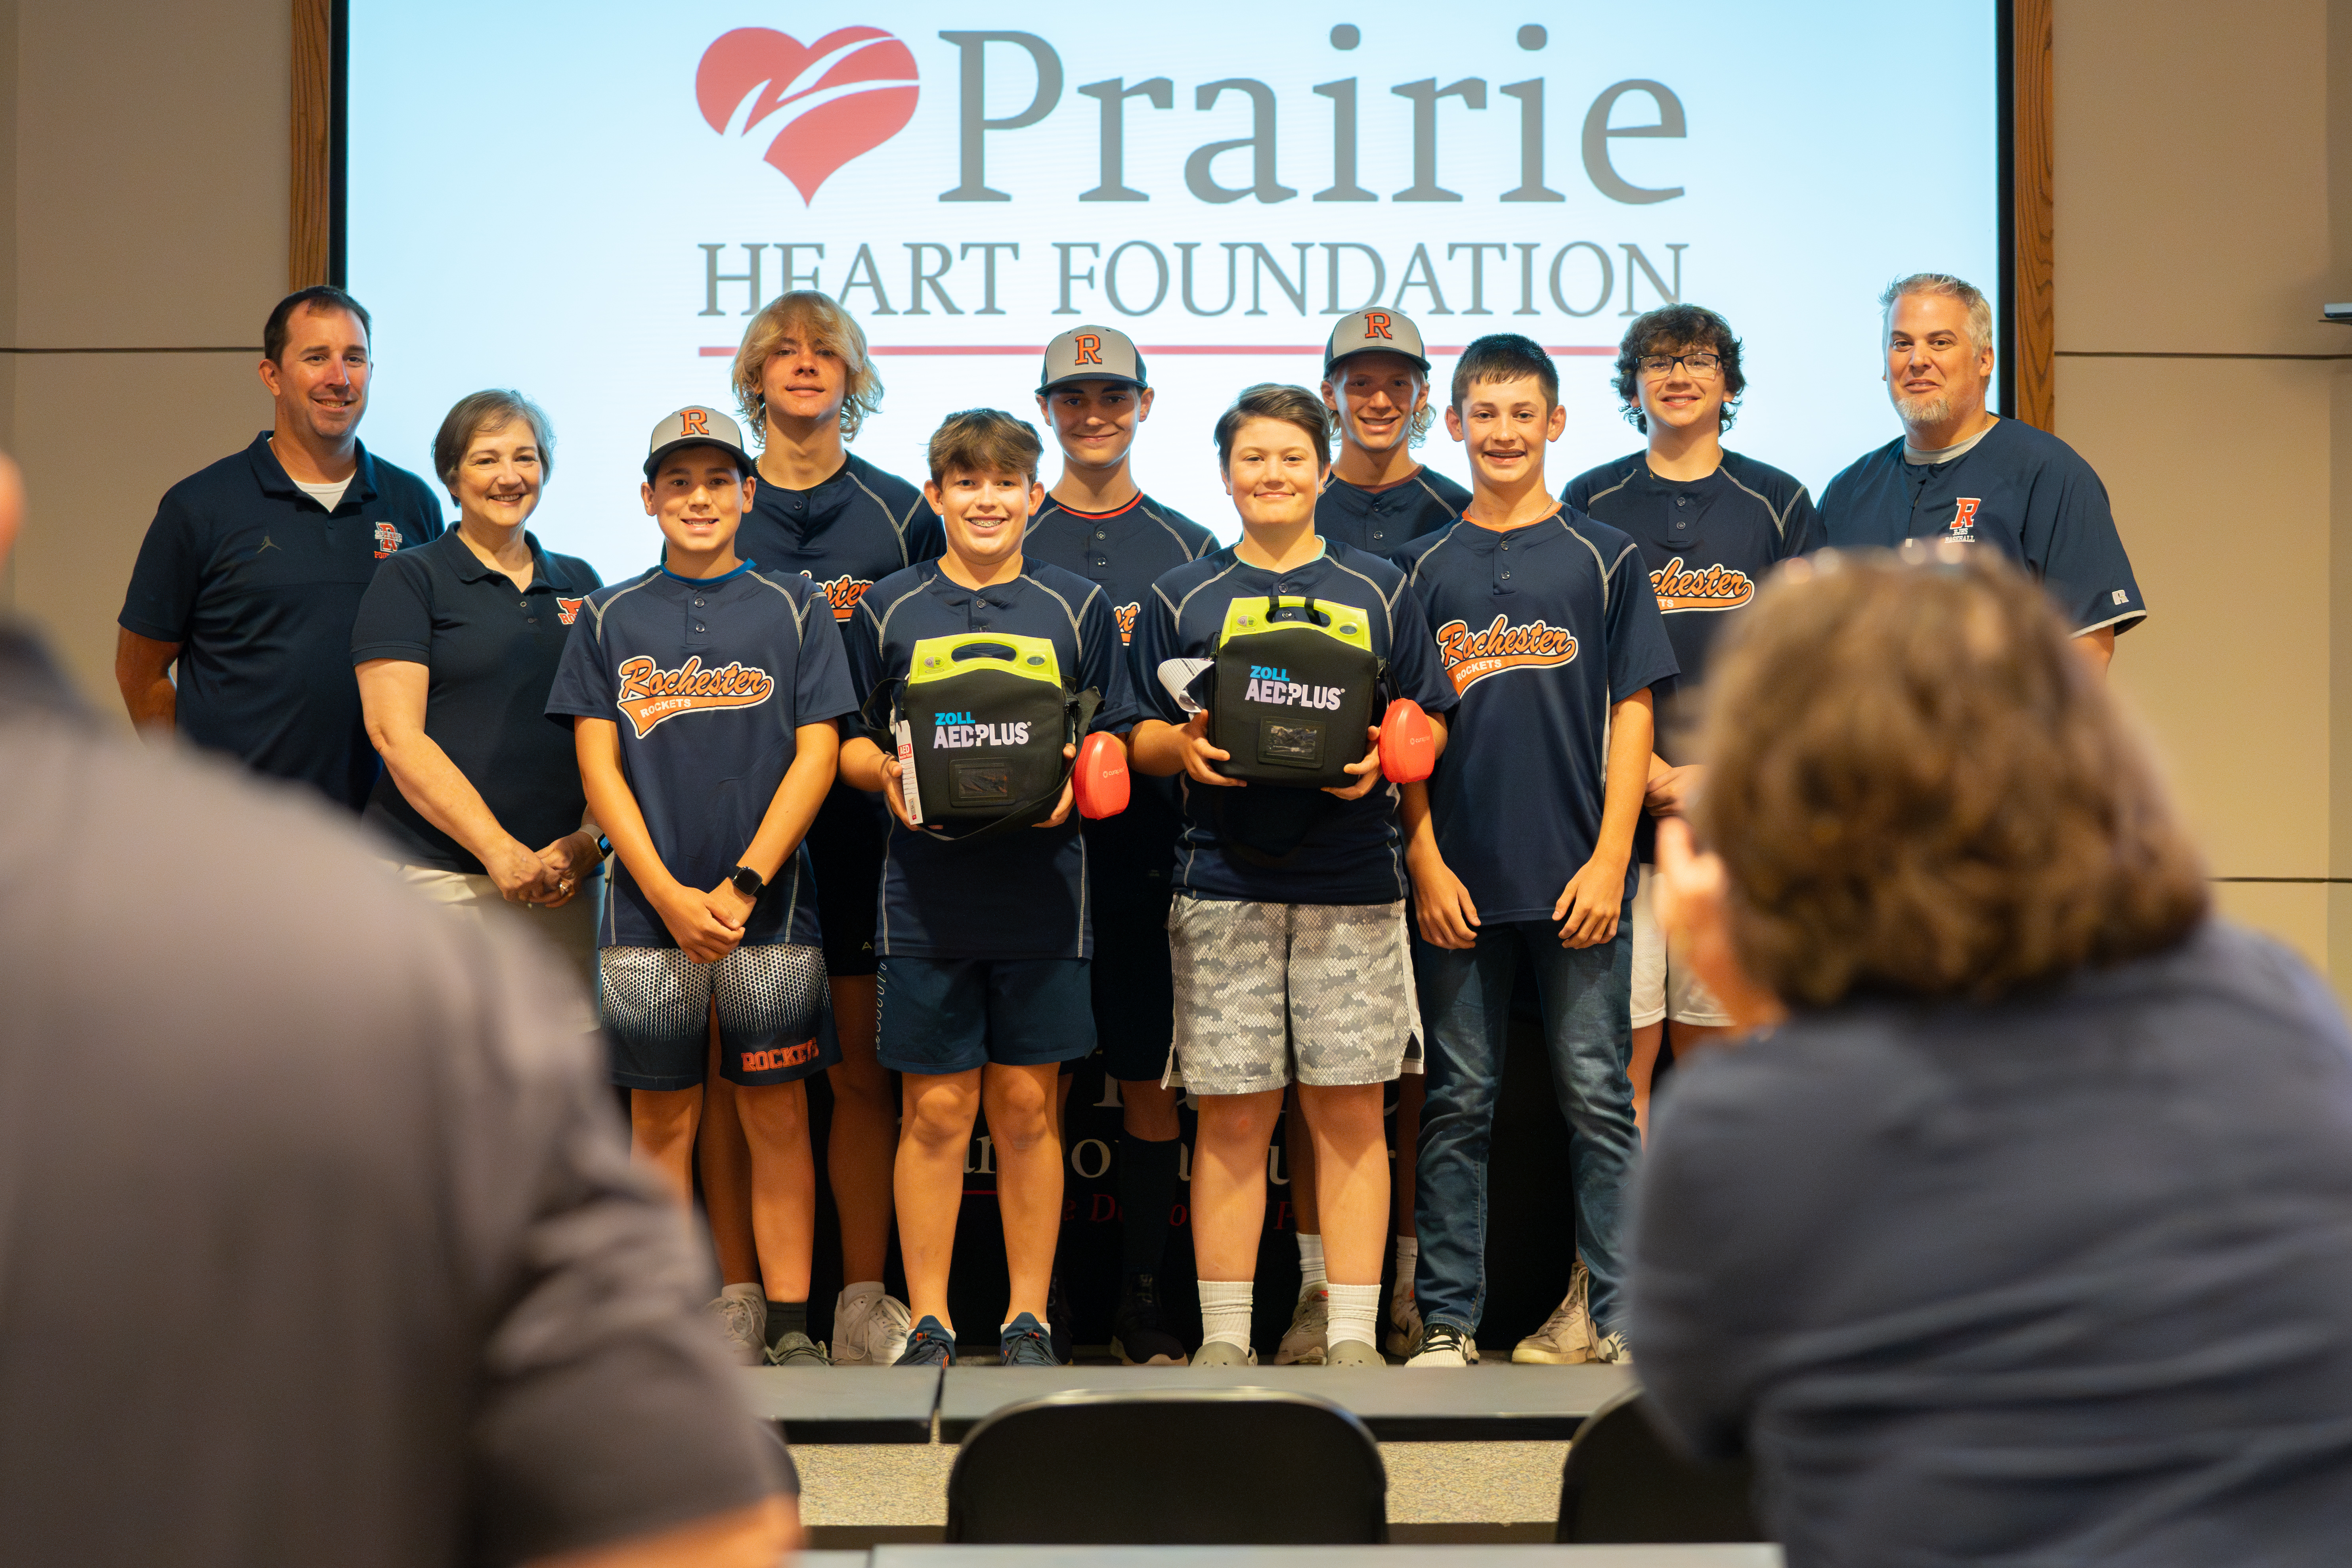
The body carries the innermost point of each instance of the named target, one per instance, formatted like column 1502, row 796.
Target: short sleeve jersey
column 707, row 679
column 1124, row 552
column 2021, row 490
column 1384, row 522
column 1353, row 853
column 1539, row 629
column 1708, row 545
column 491, row 650
column 260, row 584
column 844, row 535
column 1015, row 895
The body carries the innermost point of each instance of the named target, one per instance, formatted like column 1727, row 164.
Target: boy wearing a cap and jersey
column 984, row 946
column 1521, row 844
column 1097, row 524
column 805, row 383
column 1287, row 934
column 704, row 697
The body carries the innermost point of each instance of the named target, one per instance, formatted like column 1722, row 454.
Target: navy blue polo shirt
column 1020, row 894
column 1539, row 629
column 707, row 679
column 844, row 535
column 1384, row 522
column 491, row 650
column 260, row 584
column 1124, row 551
column 1354, row 852
column 2020, row 489
column 1708, row 543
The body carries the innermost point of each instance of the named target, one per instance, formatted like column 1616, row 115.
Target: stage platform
column 1391, row 1556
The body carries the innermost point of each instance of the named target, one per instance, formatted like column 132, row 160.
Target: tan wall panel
column 2219, row 470
column 91, row 494
column 2294, row 912
column 2191, row 176
column 151, row 176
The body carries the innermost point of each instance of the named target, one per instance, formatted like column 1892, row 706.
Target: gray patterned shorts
column 1268, row 991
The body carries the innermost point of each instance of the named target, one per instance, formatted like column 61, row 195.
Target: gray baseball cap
column 1387, row 331
column 1091, row 353
column 696, row 425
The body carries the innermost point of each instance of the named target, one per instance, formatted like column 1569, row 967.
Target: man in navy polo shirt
column 1962, row 473
column 251, row 574
column 1097, row 524
column 1376, row 384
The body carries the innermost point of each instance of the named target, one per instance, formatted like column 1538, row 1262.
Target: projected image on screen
column 586, row 201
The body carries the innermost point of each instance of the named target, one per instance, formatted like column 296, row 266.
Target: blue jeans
column 1465, row 1005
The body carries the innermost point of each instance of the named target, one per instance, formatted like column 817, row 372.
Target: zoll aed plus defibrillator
column 979, row 722
column 1297, row 686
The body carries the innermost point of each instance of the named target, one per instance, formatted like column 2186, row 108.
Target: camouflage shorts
column 1266, row 993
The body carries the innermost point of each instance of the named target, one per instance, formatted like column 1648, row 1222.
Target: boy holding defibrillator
column 1283, row 672
column 994, row 690
column 704, row 697
column 1521, row 847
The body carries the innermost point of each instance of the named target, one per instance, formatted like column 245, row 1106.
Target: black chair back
column 1624, row 1483
column 1225, row 1466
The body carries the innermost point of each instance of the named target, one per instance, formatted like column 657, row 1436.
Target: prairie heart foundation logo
column 820, row 104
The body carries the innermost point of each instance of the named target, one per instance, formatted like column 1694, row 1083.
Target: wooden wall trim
column 2032, row 308
column 310, row 217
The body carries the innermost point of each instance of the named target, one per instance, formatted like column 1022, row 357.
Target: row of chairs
column 1232, row 1467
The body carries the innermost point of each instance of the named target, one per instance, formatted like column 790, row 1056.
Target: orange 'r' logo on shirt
column 1964, row 518
column 568, row 608
column 651, row 695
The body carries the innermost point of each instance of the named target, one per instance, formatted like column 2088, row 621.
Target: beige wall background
column 2204, row 214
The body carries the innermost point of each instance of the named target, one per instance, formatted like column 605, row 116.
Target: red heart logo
column 846, row 94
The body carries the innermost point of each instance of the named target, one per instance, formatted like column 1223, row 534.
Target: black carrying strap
column 1083, row 706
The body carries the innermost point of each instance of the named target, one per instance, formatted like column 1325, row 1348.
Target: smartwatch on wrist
column 747, row 882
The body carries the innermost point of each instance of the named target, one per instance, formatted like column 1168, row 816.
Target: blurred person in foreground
column 319, row 1241
column 2024, row 1232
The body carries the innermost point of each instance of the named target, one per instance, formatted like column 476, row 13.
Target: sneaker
column 1613, row 1351
column 930, row 1345
column 1027, row 1344
column 1302, row 1344
column 1404, row 1323
column 1058, row 1313
column 1135, row 1336
column 868, row 1329
column 1216, row 1353
column 796, row 1349
column 1567, row 1336
column 742, row 1317
column 1353, row 1352
column 1442, row 1344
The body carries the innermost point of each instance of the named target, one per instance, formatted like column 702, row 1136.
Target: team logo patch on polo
column 1717, row 587
column 1471, row 656
column 842, row 592
column 1125, row 615
column 387, row 539
column 568, row 608
column 651, row 696
column 1963, row 526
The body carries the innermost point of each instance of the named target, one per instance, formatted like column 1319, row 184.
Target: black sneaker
column 930, row 1345
column 1057, row 1311
column 1135, row 1336
column 1027, row 1343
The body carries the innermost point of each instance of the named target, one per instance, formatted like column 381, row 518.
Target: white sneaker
column 1613, row 1351
column 869, row 1329
column 1403, row 1322
column 1443, row 1345
column 1567, row 1337
column 1302, row 1344
column 742, row 1313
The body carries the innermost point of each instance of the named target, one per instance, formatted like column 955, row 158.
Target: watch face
column 747, row 882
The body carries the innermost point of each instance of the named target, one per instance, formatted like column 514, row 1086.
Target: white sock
column 1355, row 1313
column 1310, row 1263
column 1408, row 1253
column 1225, row 1312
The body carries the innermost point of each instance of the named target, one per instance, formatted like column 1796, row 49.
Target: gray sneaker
column 1302, row 1342
column 1353, row 1352
column 1567, row 1337
column 743, row 1320
column 1216, row 1353
column 796, row 1349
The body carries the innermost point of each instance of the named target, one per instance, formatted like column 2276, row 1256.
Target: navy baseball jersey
column 2020, row 490
column 707, row 679
column 1020, row 894
column 260, row 584
column 1384, row 522
column 1539, row 629
column 1352, row 851
column 1708, row 545
column 844, row 535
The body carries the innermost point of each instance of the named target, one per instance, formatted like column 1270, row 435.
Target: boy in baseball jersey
column 804, row 381
column 1522, row 843
column 1287, row 933
column 1097, row 524
column 984, row 946
column 703, row 697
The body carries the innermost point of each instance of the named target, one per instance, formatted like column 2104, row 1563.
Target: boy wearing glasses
column 1711, row 525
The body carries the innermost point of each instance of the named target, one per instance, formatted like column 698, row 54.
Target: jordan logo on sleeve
column 651, row 696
